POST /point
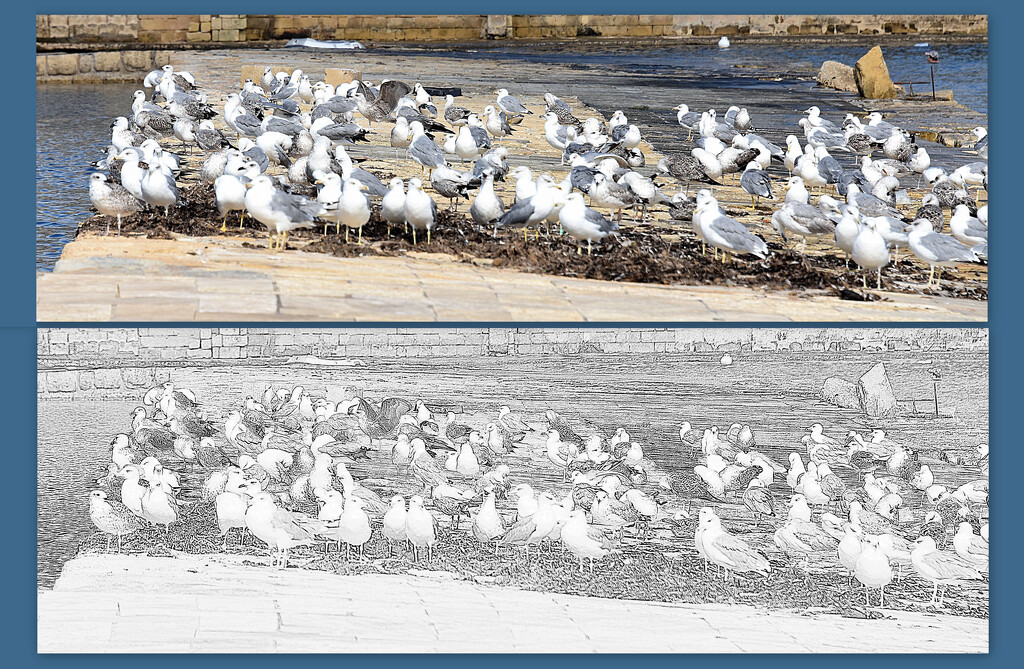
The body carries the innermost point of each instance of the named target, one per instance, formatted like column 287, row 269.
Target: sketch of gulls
column 279, row 528
column 872, row 569
column 420, row 528
column 113, row 518
column 725, row 550
column 939, row 567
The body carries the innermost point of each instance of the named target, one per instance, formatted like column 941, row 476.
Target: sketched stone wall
column 91, row 359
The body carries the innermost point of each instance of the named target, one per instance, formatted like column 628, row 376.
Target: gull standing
column 392, row 207
column 420, row 209
column 112, row 199
column 870, row 251
column 281, row 212
column 581, row 222
column 937, row 249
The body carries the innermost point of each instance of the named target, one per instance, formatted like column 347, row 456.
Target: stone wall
column 198, row 29
column 72, row 347
column 99, row 66
column 104, row 362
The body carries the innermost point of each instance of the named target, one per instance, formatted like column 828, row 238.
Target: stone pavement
column 217, row 279
column 118, row 603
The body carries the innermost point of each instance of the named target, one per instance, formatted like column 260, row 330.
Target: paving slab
column 191, row 603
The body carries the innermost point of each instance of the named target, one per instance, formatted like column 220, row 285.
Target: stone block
column 107, row 61
column 841, row 393
column 876, row 394
column 61, row 382
column 107, row 378
column 198, row 37
column 86, row 380
column 232, row 24
column 335, row 76
column 137, row 60
column 59, row 32
column 65, row 64
column 872, row 76
column 839, row 76
column 40, row 66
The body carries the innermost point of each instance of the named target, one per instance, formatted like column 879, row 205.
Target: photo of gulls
column 820, row 479
column 450, row 113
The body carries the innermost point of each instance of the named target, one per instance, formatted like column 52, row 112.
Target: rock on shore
column 839, row 76
column 872, row 76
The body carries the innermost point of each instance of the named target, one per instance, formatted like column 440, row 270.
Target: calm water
column 73, row 121
column 777, row 396
column 963, row 67
column 72, row 131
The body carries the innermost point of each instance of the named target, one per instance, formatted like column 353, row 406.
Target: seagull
column 487, row 207
column 756, row 182
column 423, row 150
column 581, row 222
column 455, row 116
column 279, row 528
column 229, row 190
column 725, row 550
column 870, row 251
column 392, row 207
column 159, row 189
column 280, row 212
column 420, row 527
column 872, row 569
column 510, row 104
column 353, row 207
column 939, row 567
column 420, row 208
column 966, row 228
column 113, row 517
column 723, row 232
column 971, row 547
column 935, row 248
column 112, row 199
column 803, row 220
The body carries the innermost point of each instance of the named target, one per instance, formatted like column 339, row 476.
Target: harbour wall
column 197, row 29
column 77, row 362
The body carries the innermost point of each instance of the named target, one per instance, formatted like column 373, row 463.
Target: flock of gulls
column 278, row 469
column 285, row 161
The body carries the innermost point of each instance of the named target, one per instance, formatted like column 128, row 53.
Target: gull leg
column 108, row 224
column 224, row 224
column 428, row 235
column 589, row 245
column 360, row 234
column 119, row 225
column 346, row 234
column 879, row 286
column 414, row 236
column 931, row 275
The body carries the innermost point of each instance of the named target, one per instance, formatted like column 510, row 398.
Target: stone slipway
column 217, row 279
column 119, row 603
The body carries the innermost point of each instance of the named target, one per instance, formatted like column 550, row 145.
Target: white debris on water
column 310, row 43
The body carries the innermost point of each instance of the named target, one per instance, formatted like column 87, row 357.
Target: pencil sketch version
column 490, row 490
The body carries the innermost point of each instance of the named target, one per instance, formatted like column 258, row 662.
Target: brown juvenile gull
column 111, row 199
column 112, row 517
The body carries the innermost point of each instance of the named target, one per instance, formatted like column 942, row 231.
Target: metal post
column 935, row 394
column 932, row 67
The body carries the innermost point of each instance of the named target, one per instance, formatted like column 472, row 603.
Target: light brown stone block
column 62, row 63
column 107, row 61
column 336, row 76
column 137, row 60
column 197, row 37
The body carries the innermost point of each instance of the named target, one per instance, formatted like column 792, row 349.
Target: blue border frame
column 16, row 335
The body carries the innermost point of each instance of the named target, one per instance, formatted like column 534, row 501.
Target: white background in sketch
column 817, row 470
